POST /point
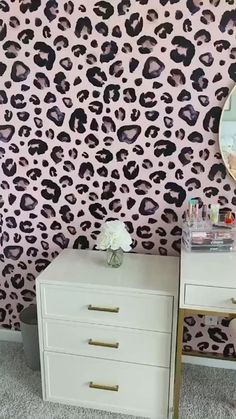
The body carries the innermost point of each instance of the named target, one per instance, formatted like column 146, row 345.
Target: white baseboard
column 10, row 335
column 209, row 362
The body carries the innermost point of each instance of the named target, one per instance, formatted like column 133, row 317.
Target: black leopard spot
column 109, row 189
column 229, row 350
column 66, row 63
column 184, row 51
column 111, row 93
column 163, row 30
column 204, row 100
column 190, row 320
column 217, row 335
column 148, row 206
column 186, row 335
column 193, row 6
column 222, row 45
column 56, row 116
column 104, row 156
column 11, row 49
column 207, row 59
column 176, row 78
column 103, row 9
column 63, row 24
column 195, row 137
column 83, row 27
column 153, row 67
column 46, row 55
column 29, row 5
column 146, row 44
column 116, row 69
column 81, row 243
column 97, row 211
column 96, row 76
column 164, row 147
column 202, row 36
column 131, row 170
column 17, row 281
column 51, row 190
column 128, row 133
column 199, row 81
column 212, row 119
column 9, row 167
column 186, row 155
column 2, row 68
column 3, row 97
column 17, row 101
column 19, row 71
column 221, row 93
column 134, row 24
column 189, row 114
column 62, row 85
column 28, row 202
column 77, row 120
column 207, row 17
column 227, row 20
column 3, row 314
column 232, row 71
column 147, row 100
column 176, row 194
column 60, row 42
column 123, row 7
column 142, row 187
column 41, row 81
column 51, row 10
column 108, row 124
column 109, row 51
column 217, row 171
column 6, row 133
column 13, row 252
column 26, row 36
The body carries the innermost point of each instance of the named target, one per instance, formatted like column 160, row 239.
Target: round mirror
column 227, row 133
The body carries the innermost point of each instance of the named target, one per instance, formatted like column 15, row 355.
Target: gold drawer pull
column 233, row 300
column 107, row 345
column 107, row 309
column 103, row 387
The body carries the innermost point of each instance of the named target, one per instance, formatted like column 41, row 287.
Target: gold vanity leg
column 178, row 363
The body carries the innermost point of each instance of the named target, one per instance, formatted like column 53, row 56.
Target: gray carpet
column 207, row 392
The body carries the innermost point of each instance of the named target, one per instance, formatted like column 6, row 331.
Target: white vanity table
column 207, row 286
column 108, row 335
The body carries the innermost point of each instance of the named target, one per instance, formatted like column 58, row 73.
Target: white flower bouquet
column 115, row 238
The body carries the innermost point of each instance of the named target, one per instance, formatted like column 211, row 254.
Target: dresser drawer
column 129, row 345
column 134, row 310
column 128, row 388
column 218, row 297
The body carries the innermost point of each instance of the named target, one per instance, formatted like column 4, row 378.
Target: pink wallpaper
column 109, row 109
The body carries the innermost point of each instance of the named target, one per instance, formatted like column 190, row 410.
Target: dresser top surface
column 138, row 271
column 209, row 269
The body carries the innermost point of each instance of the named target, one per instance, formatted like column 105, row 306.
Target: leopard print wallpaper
column 109, row 109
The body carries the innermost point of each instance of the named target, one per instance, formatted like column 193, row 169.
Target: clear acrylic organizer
column 203, row 236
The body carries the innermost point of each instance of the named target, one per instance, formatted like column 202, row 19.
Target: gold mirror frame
column 226, row 142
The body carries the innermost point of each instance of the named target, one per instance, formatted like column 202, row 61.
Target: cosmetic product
column 193, row 206
column 204, row 212
column 196, row 210
column 229, row 218
column 214, row 213
column 221, row 226
column 190, row 209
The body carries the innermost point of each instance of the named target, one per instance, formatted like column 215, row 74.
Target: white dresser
column 108, row 335
column 207, row 287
